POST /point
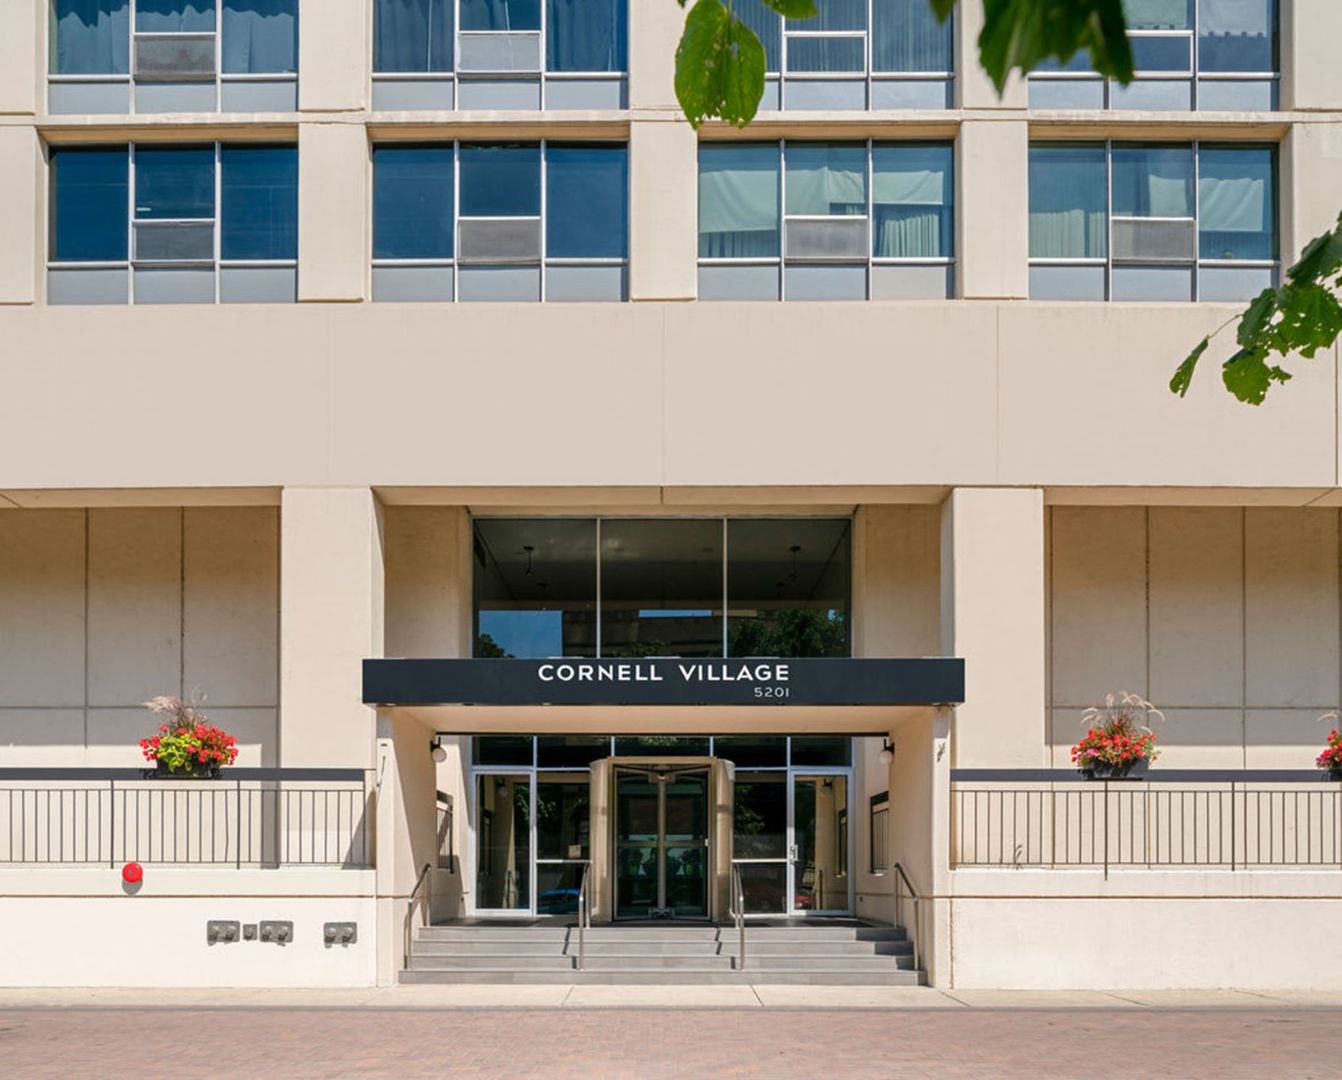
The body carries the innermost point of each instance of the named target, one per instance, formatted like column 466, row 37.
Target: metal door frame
column 473, row 804
column 793, row 852
column 661, row 775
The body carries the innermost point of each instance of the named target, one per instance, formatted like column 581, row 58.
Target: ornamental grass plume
column 1117, row 734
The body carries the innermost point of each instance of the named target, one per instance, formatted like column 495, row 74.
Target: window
column 822, row 62
column 173, row 224
column 1152, row 221
column 1189, row 54
column 639, row 587
column 506, row 54
column 826, row 221
column 506, row 221
column 880, row 833
column 148, row 56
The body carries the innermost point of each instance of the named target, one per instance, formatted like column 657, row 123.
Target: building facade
column 338, row 331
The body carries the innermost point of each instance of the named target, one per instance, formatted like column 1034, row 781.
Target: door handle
column 792, row 853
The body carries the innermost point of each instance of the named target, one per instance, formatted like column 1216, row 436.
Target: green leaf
column 1183, row 376
column 942, row 9
column 1257, row 317
column 719, row 66
column 1322, row 256
column 794, row 9
column 1311, row 319
column 1019, row 34
column 1248, row 376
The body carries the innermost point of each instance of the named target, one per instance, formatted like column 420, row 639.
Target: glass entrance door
column 661, row 843
column 821, row 883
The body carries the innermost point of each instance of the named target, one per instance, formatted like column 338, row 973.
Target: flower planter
column 1335, row 773
column 195, row 772
column 1129, row 770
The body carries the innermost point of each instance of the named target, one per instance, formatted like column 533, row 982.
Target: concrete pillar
column 664, row 210
column 974, row 90
column 654, row 29
column 22, row 206
column 1308, row 207
column 992, row 615
column 333, row 208
column 22, row 51
column 1309, row 34
column 992, row 210
column 335, row 47
column 331, row 604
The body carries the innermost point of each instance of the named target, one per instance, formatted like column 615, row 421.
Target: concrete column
column 335, row 47
column 664, row 210
column 654, row 29
column 331, row 604
column 974, row 90
column 22, row 206
column 1308, row 207
column 992, row 615
column 22, row 55
column 992, row 210
column 333, row 212
column 1309, row 34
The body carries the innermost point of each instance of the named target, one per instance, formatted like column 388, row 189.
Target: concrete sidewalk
column 661, row 997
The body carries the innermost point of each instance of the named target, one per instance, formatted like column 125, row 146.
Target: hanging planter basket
column 1128, row 770
column 194, row 772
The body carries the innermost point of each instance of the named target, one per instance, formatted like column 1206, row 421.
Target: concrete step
column 677, row 933
column 646, row 961
column 606, row 947
column 666, row 977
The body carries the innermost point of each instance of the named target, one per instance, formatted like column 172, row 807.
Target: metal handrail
column 737, row 907
column 424, row 876
column 584, row 914
column 899, row 876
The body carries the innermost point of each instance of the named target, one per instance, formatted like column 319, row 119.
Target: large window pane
column 563, row 817
column 92, row 37
column 847, row 54
column 503, row 750
column 174, row 16
column 787, row 587
column 1158, row 14
column 759, row 822
column 738, row 201
column 587, row 201
column 586, row 35
column 500, row 14
column 815, row 750
column 412, row 35
column 89, row 192
column 906, row 36
column 767, row 26
column 661, row 588
column 754, row 751
column 661, row 745
column 834, row 15
column 503, row 842
column 912, row 192
column 412, row 202
column 535, row 588
column 1237, row 35
column 1153, row 181
column 1237, row 203
column 500, row 181
column 826, row 178
column 260, row 36
column 1067, row 202
column 259, row 192
column 174, row 182
column 571, row 751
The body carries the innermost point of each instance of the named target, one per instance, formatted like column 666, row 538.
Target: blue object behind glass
column 412, row 35
column 586, row 35
column 500, row 14
column 92, row 37
column 500, row 181
column 587, row 201
column 412, row 202
column 260, row 36
column 174, row 16
column 174, row 182
column 90, row 188
column 259, row 196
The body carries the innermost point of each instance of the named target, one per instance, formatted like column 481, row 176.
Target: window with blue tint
column 912, row 201
column 1237, row 203
column 1158, row 14
column 1153, row 181
column 1237, row 35
column 500, row 14
column 1068, row 205
column 738, row 201
column 174, row 182
column 412, row 202
column 767, row 26
column 259, row 202
column 412, row 35
column 90, row 191
column 826, row 178
column 174, row 16
column 260, row 36
column 92, row 37
column 833, row 54
column 586, row 35
column 834, row 15
column 500, row 181
column 906, row 36
column 586, row 201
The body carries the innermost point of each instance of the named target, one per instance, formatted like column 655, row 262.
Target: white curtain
column 1235, row 16
column 1235, row 204
column 1067, row 203
column 911, row 198
column 738, row 202
column 174, row 16
column 412, row 35
column 260, row 36
column 826, row 179
column 1157, row 14
column 92, row 37
column 585, row 35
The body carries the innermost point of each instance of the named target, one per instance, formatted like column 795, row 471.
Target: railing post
column 237, row 814
column 111, row 827
column 1233, row 812
column 1104, row 794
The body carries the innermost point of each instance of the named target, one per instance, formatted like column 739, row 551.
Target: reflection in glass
column 500, row 14
column 500, row 180
column 826, row 179
column 412, row 35
column 759, row 823
column 571, row 751
column 907, row 36
column 89, row 188
column 1068, row 202
column 820, row 807
column 758, row 751
column 535, row 588
column 503, row 842
column 912, row 200
column 787, row 587
column 557, row 888
column 502, row 749
column 661, row 588
column 563, row 816
column 259, row 197
column 587, row 198
column 1237, row 203
column 661, row 745
column 738, row 201
column 412, row 202
column 1153, row 181
column 1237, row 36
column 765, row 888
column 174, row 182
column 822, row 750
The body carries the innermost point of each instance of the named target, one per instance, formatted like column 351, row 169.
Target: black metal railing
column 245, row 818
column 1170, row 818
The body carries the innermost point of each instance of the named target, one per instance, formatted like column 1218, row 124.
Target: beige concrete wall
column 22, row 32
column 334, row 54
column 428, row 568
column 1309, row 30
column 1228, row 619
column 653, row 31
column 663, row 211
column 334, row 227
column 21, row 169
column 101, row 609
column 992, row 205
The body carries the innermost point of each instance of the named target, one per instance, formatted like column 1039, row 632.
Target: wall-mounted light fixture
column 887, row 752
column 438, row 751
